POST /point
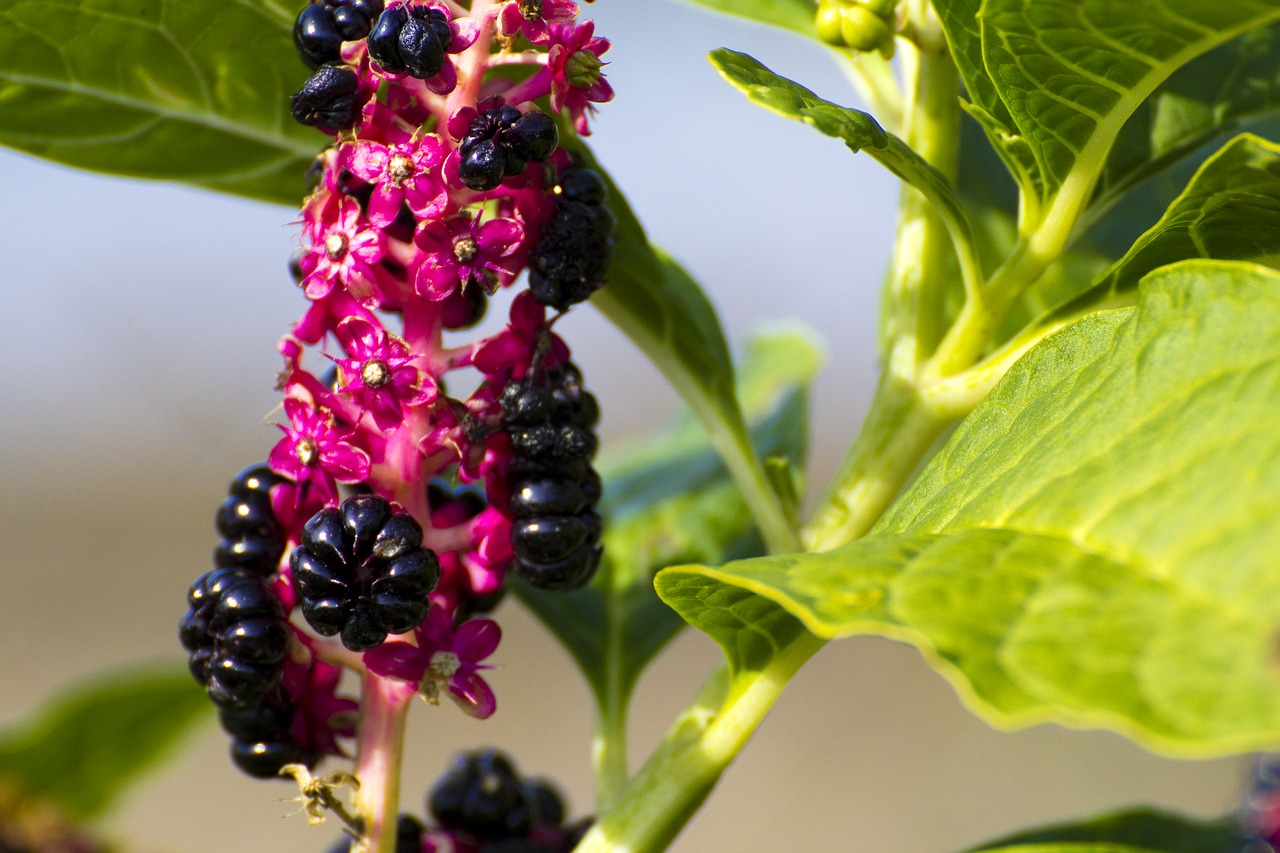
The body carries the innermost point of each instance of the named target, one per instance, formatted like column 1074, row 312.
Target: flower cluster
column 386, row 509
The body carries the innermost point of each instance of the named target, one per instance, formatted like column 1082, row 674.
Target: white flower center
column 335, row 246
column 306, row 451
column 444, row 665
column 465, row 249
column 375, row 373
column 399, row 169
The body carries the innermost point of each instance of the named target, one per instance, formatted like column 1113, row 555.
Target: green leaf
column 664, row 312
column 1134, row 829
column 191, row 92
column 669, row 499
column 1053, row 83
column 1095, row 543
column 83, row 748
column 1208, row 98
column 794, row 15
column 860, row 132
column 1229, row 211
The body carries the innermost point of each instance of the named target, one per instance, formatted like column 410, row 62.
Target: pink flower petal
column 476, row 639
column 473, row 695
column 397, row 660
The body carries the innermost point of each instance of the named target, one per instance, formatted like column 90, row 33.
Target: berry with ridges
column 501, row 142
column 236, row 633
column 410, row 40
column 361, row 572
column 328, row 99
column 481, row 794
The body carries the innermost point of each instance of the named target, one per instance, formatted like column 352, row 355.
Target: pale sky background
column 140, row 323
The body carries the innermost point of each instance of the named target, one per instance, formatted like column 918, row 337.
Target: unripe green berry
column 828, row 23
column 886, row 9
column 863, row 30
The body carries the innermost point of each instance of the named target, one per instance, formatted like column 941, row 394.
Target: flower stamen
column 375, row 373
column 399, row 169
column 307, row 452
column 465, row 249
column 335, row 246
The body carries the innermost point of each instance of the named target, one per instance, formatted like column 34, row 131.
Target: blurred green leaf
column 161, row 89
column 794, row 15
column 669, row 499
column 1136, row 829
column 84, row 747
column 1095, row 545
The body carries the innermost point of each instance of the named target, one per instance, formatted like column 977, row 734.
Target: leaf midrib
column 198, row 118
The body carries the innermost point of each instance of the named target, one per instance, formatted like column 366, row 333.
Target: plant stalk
column 384, row 707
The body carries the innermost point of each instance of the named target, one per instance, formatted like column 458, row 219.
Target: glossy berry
column 410, row 40
column 252, row 538
column 328, row 99
column 501, row 142
column 237, row 636
column 261, row 743
column 316, row 36
column 556, row 532
column 361, row 572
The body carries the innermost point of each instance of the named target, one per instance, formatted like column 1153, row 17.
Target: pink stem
column 384, row 706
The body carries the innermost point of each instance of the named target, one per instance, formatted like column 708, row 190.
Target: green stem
column 899, row 430
column 703, row 742
column 609, row 752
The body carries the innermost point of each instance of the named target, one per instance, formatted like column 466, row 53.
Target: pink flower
column 401, row 173
column 464, row 251
column 532, row 16
column 343, row 248
column 314, row 453
column 507, row 353
column 380, row 375
column 320, row 715
column 576, row 80
column 443, row 661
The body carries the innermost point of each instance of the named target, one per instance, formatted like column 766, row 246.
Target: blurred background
column 138, row 344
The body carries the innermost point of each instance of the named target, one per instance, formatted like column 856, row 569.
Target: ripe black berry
column 328, row 99
column 501, row 142
column 410, row 40
column 556, row 532
column 316, row 36
column 569, row 261
column 261, row 743
column 361, row 572
column 252, row 536
column 237, row 636
column 481, row 794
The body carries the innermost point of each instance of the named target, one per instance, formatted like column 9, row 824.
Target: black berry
column 236, row 633
column 316, row 36
column 410, row 41
column 252, row 538
column 328, row 99
column 501, row 142
column 361, row 572
column 261, row 743
column 481, row 794
column 576, row 244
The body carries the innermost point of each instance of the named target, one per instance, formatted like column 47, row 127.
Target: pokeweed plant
column 1066, row 493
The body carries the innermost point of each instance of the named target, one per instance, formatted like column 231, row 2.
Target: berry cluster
column 399, row 507
column 501, row 142
column 862, row 25
column 411, row 40
column 554, row 489
column 568, row 263
column 361, row 572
